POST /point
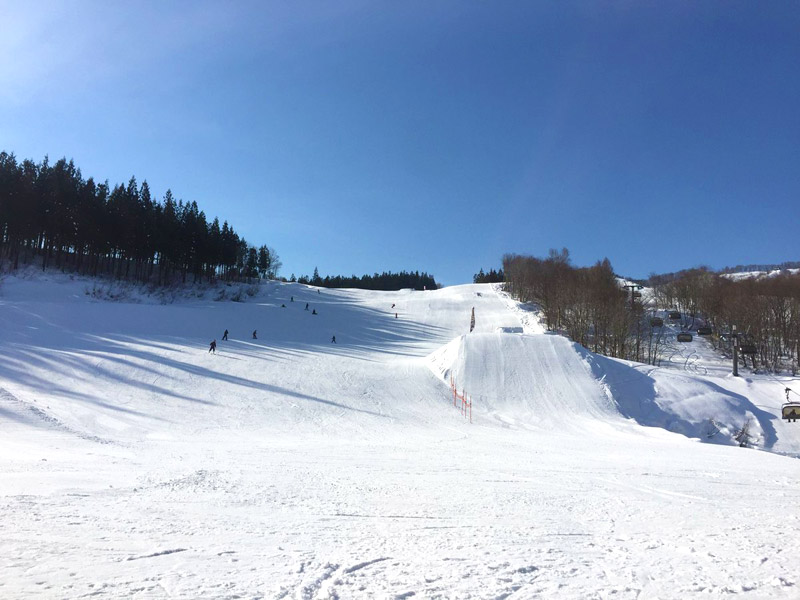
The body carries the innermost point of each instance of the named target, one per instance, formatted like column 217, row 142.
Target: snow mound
column 689, row 404
column 525, row 380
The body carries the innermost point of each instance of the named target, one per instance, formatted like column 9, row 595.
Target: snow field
column 133, row 463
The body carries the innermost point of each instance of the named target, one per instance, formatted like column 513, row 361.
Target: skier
column 291, row 299
column 306, row 305
column 392, row 304
column 255, row 337
column 283, row 306
column 395, row 315
column 314, row 311
column 333, row 340
column 213, row 347
column 225, row 336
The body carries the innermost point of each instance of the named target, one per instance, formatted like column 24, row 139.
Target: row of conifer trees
column 49, row 212
column 386, row 280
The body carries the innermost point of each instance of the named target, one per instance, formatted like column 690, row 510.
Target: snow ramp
column 524, row 380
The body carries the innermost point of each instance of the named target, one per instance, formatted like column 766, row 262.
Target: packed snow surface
column 136, row 464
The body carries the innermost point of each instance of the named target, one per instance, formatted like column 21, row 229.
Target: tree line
column 591, row 307
column 50, row 212
column 491, row 276
column 764, row 310
column 386, row 281
column 585, row 303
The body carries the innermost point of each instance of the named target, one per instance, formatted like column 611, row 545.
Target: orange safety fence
column 465, row 401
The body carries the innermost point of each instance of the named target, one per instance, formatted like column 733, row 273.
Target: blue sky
column 435, row 136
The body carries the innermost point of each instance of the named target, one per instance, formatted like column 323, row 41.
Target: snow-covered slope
column 134, row 463
column 530, row 380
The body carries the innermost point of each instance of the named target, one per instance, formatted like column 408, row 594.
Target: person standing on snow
column 333, row 340
column 255, row 337
column 225, row 336
column 213, row 347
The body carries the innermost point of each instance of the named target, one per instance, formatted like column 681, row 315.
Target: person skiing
column 255, row 337
column 392, row 304
column 225, row 336
column 314, row 311
column 213, row 347
column 306, row 305
column 291, row 299
column 333, row 340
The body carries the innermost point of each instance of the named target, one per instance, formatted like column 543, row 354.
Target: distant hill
column 660, row 278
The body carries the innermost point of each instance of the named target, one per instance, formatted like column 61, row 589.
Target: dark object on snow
column 306, row 305
column 225, row 336
column 314, row 311
column 674, row 315
column 684, row 337
column 656, row 322
column 333, row 340
column 748, row 349
column 283, row 306
column 395, row 315
column 392, row 304
column 472, row 320
column 213, row 347
column 255, row 337
column 291, row 299
column 704, row 331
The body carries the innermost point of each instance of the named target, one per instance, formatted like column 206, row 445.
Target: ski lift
column 704, row 331
column 637, row 294
column 790, row 411
column 684, row 337
column 674, row 315
column 656, row 322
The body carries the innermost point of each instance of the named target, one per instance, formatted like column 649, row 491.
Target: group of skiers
column 213, row 346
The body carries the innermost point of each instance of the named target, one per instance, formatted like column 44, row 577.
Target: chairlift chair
column 790, row 411
column 656, row 322
column 704, row 331
column 674, row 315
column 684, row 337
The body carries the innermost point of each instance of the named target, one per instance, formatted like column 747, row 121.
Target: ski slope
column 134, row 463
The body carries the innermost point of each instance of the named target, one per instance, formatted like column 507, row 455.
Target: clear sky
column 362, row 136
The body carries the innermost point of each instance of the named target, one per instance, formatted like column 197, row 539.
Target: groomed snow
column 133, row 463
